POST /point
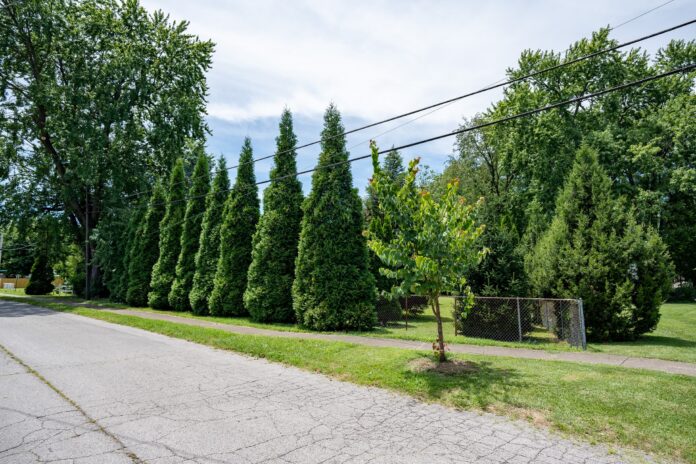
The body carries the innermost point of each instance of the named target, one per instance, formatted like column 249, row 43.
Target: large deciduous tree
column 96, row 100
column 191, row 235
column 595, row 249
column 434, row 241
column 268, row 296
column 333, row 288
column 209, row 247
column 170, row 239
column 236, row 233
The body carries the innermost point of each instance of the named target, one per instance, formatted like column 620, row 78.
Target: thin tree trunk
column 435, row 302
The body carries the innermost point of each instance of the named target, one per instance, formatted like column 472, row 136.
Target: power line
column 641, row 15
column 465, row 129
column 443, row 103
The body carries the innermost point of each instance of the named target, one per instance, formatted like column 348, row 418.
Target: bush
column 41, row 277
column 493, row 318
column 686, row 292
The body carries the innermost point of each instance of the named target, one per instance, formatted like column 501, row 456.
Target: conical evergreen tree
column 393, row 169
column 191, row 235
column 594, row 249
column 136, row 218
column 241, row 216
column 40, row 282
column 209, row 247
column 333, row 288
column 170, row 239
column 145, row 249
column 268, row 296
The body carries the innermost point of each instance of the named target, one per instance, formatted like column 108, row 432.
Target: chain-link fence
column 515, row 319
column 500, row 318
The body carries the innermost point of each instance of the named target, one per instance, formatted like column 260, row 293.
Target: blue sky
column 374, row 59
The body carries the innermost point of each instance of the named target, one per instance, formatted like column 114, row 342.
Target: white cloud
column 377, row 58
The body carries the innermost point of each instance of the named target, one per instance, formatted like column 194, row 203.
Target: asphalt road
column 74, row 389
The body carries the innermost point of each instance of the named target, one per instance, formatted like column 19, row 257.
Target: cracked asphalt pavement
column 73, row 389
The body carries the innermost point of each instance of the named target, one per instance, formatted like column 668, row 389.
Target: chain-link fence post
column 581, row 315
column 519, row 319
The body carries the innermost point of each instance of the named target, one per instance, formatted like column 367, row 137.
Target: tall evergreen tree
column 392, row 171
column 145, row 249
column 170, row 239
column 241, row 216
column 268, row 296
column 136, row 217
column 191, row 235
column 333, row 288
column 209, row 247
column 40, row 282
column 595, row 249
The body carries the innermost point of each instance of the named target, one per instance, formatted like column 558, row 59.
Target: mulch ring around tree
column 452, row 367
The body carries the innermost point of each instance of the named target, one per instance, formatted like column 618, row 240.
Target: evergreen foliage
column 121, row 288
column 209, row 246
column 268, row 296
column 145, row 249
column 191, row 235
column 393, row 171
column 236, row 233
column 170, row 239
column 333, row 288
column 595, row 250
column 41, row 279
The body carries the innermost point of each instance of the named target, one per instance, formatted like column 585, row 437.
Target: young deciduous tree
column 170, row 239
column 333, row 288
column 268, row 296
column 209, row 248
column 595, row 250
column 241, row 216
column 191, row 235
column 434, row 243
column 145, row 249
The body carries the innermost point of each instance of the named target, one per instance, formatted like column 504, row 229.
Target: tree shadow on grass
column 478, row 384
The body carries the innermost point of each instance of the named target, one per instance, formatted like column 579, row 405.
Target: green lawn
column 650, row 411
column 674, row 339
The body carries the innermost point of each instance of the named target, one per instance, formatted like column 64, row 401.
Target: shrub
column 41, row 277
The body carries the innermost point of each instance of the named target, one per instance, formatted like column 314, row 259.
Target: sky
column 378, row 58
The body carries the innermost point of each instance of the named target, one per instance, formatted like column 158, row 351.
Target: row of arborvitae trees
column 208, row 249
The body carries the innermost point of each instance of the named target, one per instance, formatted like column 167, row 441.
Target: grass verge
column 649, row 411
column 674, row 339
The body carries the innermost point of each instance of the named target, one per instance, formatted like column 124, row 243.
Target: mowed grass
column 649, row 411
column 674, row 339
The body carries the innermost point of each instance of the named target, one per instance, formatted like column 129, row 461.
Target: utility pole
column 2, row 241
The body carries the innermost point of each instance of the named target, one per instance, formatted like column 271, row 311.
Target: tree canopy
column 97, row 99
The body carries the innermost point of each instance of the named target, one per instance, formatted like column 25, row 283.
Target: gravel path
column 163, row 400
